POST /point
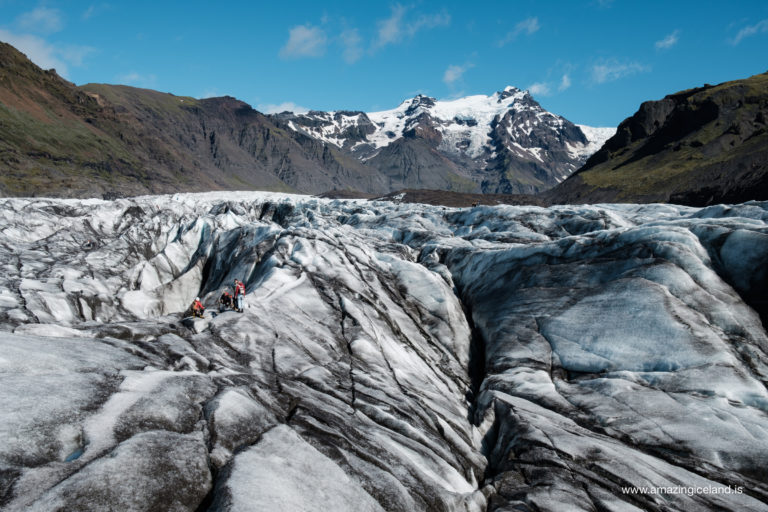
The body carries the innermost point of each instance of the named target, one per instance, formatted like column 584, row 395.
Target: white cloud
column 136, row 79
column 74, row 54
column 36, row 49
column 351, row 40
column 41, row 20
column 669, row 41
column 428, row 21
column 455, row 72
column 390, row 29
column 610, row 70
column 286, row 106
column 46, row 55
column 95, row 9
column 395, row 28
column 540, row 89
column 89, row 12
column 528, row 26
column 304, row 41
column 550, row 87
column 759, row 27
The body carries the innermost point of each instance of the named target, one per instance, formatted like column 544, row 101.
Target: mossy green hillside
column 712, row 137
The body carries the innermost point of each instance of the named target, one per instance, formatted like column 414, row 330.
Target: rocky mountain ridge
column 60, row 139
column 700, row 146
column 503, row 143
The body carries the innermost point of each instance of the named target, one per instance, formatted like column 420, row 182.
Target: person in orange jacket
column 197, row 308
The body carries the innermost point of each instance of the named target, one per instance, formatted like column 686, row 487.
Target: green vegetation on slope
column 697, row 146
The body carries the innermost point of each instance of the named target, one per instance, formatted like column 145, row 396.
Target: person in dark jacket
column 239, row 295
column 226, row 302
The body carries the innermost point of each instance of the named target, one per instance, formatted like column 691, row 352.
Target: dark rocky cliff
column 698, row 147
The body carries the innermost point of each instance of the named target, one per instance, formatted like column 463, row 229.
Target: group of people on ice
column 226, row 301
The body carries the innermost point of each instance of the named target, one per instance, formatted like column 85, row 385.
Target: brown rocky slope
column 697, row 147
column 57, row 139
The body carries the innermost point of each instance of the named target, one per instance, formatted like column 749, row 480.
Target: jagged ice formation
column 390, row 357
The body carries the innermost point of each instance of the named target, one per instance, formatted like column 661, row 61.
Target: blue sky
column 592, row 61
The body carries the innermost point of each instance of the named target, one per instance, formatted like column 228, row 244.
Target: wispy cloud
column 612, row 69
column 390, row 29
column 74, row 54
column 286, row 106
column 528, row 26
column 136, row 79
column 351, row 41
column 669, row 41
column 427, row 21
column 89, row 12
column 540, row 89
column 549, row 87
column 750, row 30
column 47, row 55
column 304, row 41
column 95, row 9
column 455, row 72
column 41, row 20
column 397, row 28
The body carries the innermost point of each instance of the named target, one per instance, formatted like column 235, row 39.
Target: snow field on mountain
column 465, row 126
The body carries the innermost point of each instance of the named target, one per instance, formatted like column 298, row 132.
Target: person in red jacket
column 239, row 294
column 197, row 308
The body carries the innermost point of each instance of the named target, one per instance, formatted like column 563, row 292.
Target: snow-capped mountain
column 505, row 142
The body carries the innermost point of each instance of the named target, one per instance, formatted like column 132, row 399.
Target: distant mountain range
column 59, row 139
column 700, row 146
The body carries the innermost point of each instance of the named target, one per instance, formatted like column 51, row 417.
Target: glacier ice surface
column 389, row 357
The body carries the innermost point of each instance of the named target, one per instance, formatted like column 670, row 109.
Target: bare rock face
column 389, row 356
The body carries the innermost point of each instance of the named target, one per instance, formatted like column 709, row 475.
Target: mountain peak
column 510, row 91
column 477, row 136
column 420, row 101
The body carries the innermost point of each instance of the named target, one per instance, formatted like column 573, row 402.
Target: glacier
column 390, row 356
